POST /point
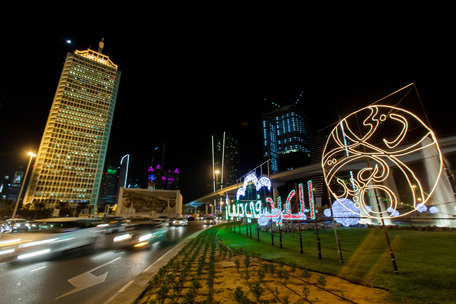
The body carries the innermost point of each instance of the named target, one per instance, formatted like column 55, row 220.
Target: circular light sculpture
column 363, row 147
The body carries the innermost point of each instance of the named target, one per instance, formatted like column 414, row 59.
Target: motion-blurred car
column 14, row 225
column 47, row 237
column 141, row 235
column 162, row 219
column 209, row 220
column 113, row 224
column 180, row 221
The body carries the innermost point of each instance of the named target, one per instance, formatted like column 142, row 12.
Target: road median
column 133, row 289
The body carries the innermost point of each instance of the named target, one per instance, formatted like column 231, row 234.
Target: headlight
column 122, row 237
column 145, row 237
column 6, row 251
column 29, row 244
column 9, row 242
column 141, row 244
column 32, row 254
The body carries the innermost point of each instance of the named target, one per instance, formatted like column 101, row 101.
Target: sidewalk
column 133, row 289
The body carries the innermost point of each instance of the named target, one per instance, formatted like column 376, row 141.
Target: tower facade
column 225, row 160
column 285, row 138
column 70, row 159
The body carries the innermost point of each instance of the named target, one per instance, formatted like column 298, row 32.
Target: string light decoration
column 311, row 199
column 345, row 212
column 387, row 137
column 251, row 178
column 273, row 211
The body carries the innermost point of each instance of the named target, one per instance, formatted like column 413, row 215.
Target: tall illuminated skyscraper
column 225, row 160
column 69, row 163
column 285, row 138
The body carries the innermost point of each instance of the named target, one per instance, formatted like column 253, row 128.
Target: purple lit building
column 159, row 178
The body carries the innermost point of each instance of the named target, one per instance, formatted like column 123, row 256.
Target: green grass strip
column 426, row 259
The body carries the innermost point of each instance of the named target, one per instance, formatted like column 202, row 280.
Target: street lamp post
column 22, row 186
column 216, row 172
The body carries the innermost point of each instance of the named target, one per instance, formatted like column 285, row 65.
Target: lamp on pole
column 217, row 172
column 32, row 155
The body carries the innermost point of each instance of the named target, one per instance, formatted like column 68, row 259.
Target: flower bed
column 206, row 271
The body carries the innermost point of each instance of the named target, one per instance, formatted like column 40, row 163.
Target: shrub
column 306, row 275
column 236, row 262
column 246, row 261
column 260, row 274
column 257, row 290
column 283, row 275
column 240, row 297
column 322, row 281
column 246, row 276
column 305, row 292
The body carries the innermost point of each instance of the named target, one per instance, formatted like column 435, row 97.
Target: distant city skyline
column 198, row 84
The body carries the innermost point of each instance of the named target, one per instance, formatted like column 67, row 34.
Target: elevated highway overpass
column 447, row 146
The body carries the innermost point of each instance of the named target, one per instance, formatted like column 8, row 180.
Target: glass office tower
column 225, row 160
column 285, row 138
column 69, row 164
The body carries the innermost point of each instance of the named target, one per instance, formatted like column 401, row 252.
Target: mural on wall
column 144, row 202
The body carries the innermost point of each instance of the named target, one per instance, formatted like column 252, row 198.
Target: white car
column 48, row 236
column 180, row 221
column 14, row 225
column 209, row 220
column 140, row 235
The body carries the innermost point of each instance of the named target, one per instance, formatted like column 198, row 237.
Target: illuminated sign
column 268, row 210
column 362, row 149
column 311, row 199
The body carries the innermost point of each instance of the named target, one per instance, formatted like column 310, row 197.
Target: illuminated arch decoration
column 386, row 136
column 251, row 178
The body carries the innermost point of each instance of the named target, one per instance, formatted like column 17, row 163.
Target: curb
column 133, row 289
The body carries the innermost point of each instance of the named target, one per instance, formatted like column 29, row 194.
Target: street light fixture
column 216, row 172
column 32, row 155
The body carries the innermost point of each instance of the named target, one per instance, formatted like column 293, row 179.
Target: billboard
column 139, row 203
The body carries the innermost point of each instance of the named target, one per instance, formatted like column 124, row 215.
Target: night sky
column 186, row 77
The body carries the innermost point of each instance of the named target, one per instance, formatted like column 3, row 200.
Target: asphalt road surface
column 83, row 275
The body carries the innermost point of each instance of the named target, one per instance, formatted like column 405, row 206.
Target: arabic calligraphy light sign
column 385, row 137
column 269, row 210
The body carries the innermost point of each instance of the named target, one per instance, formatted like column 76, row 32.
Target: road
column 84, row 275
